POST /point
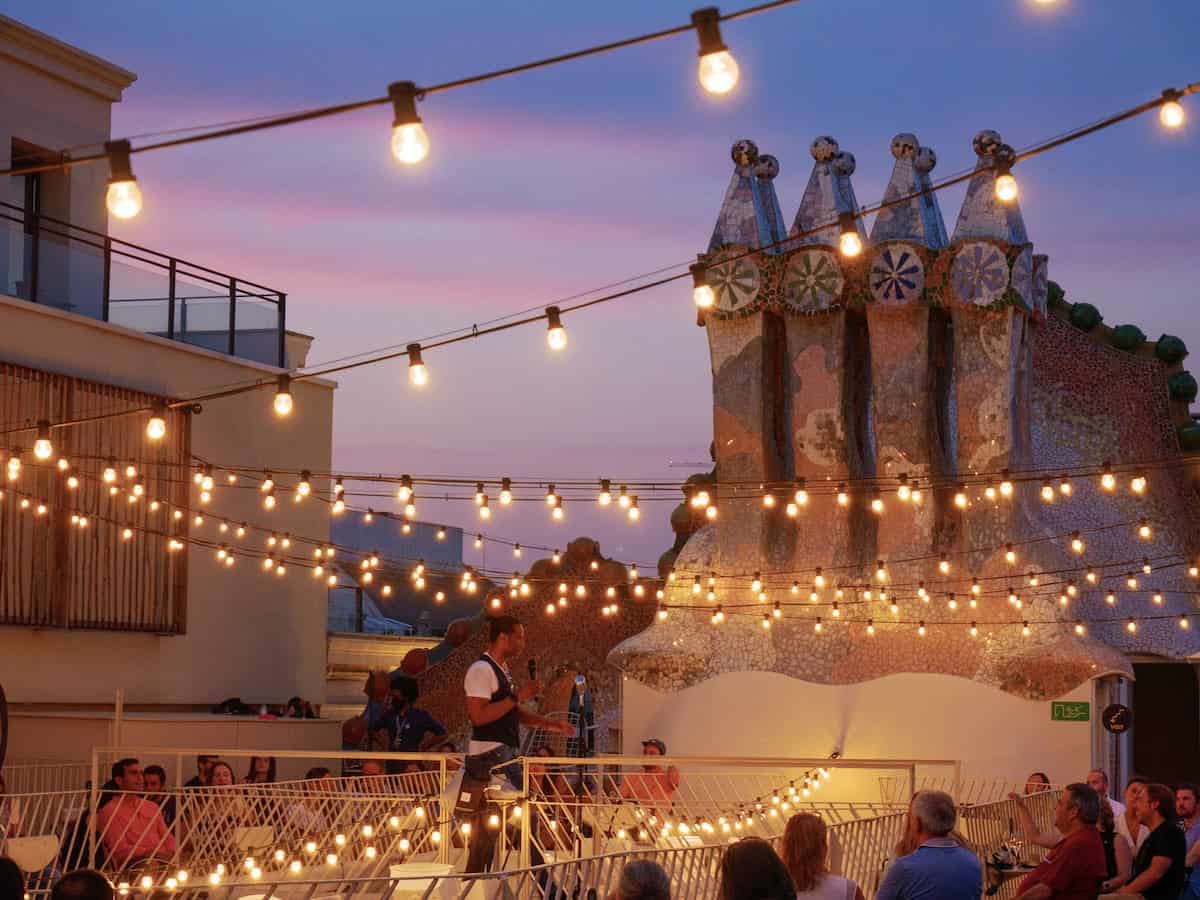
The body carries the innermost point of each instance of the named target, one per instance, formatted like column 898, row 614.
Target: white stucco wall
column 259, row 638
column 906, row 716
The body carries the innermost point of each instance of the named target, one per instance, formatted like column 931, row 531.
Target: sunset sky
column 556, row 182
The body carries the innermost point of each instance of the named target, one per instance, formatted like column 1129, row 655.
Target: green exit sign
column 1070, row 711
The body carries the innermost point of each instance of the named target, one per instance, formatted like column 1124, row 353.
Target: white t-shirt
column 1122, row 828
column 481, row 682
column 830, row 887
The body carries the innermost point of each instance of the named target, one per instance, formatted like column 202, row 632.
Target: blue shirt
column 1190, row 837
column 937, row 870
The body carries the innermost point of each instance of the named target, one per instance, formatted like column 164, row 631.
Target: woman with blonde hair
column 805, row 852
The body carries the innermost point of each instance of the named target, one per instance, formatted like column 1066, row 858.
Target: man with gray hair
column 940, row 868
column 642, row 879
column 1075, row 866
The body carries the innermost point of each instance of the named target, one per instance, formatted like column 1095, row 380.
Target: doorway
column 1166, row 721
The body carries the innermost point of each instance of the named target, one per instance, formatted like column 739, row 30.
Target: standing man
column 1186, row 796
column 1075, row 867
column 940, row 868
column 494, row 708
column 1097, row 780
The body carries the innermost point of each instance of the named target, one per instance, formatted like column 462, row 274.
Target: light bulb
column 719, row 72
column 1137, row 484
column 843, row 498
column 635, row 513
column 604, row 498
column 556, row 335
column 418, row 376
column 850, row 244
column 1006, row 188
column 124, row 198
column 1171, row 114
column 410, row 143
column 283, row 396
column 156, row 425
column 42, row 448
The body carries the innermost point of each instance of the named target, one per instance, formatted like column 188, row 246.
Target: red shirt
column 1074, row 869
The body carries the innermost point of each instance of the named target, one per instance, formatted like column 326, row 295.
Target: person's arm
column 1042, row 838
column 533, row 720
column 1157, row 869
column 1193, row 856
column 893, row 882
column 434, row 731
column 1037, row 892
column 1124, row 854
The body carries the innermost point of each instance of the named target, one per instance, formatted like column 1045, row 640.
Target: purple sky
column 555, row 182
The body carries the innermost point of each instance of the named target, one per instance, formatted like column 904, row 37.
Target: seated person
column 155, row 779
column 653, row 784
column 131, row 827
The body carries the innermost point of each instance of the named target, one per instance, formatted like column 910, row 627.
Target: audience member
column 1118, row 855
column 261, row 771
column 1186, row 796
column 12, row 882
column 155, row 779
column 308, row 816
column 203, row 768
column 370, row 768
column 131, row 827
column 1158, row 872
column 1075, row 867
column 751, row 870
column 82, row 884
column 1127, row 823
column 1036, row 783
column 909, row 841
column 409, row 728
column 805, row 851
column 940, row 868
column 642, row 879
column 1097, row 780
column 653, row 784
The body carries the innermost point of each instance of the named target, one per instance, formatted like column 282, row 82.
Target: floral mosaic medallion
column 1021, row 278
column 897, row 275
column 979, row 273
column 735, row 282
column 812, row 281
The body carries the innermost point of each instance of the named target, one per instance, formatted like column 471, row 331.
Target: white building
column 91, row 325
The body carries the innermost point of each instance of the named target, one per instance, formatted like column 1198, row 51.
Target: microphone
column 532, row 669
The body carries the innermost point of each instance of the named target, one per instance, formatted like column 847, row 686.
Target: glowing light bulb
column 1144, row 531
column 1006, row 485
column 1047, row 492
column 110, row 471
column 960, row 497
column 1025, row 629
column 124, row 197
column 635, row 513
column 283, row 396
column 1171, row 114
column 604, row 498
column 505, row 491
column 850, row 244
column 921, row 629
column 877, row 503
column 1137, row 484
column 418, row 376
column 1006, row 188
column 1131, row 626
column 843, row 498
column 1108, row 480
column 556, row 335
column 410, row 143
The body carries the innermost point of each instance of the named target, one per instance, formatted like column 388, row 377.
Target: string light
column 1171, row 113
column 505, row 491
column 418, row 375
column 1006, row 184
column 1076, row 543
column 1064, row 486
column 718, row 71
column 283, row 396
column 801, row 495
column 1137, row 484
column 604, row 498
column 849, row 242
column 843, row 498
column 410, row 142
column 635, row 513
column 1010, row 554
column 1047, row 491
column 1108, row 481
column 877, row 503
column 960, row 497
column 123, row 197
column 556, row 335
column 1144, row 530
column 1006, row 485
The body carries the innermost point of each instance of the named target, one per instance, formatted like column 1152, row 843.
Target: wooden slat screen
column 54, row 574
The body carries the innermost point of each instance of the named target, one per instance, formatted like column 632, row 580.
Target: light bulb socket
column 43, row 430
column 1004, row 157
column 699, row 274
column 414, row 356
column 553, row 318
column 847, row 223
column 1172, row 95
column 119, row 167
column 403, row 95
column 284, row 384
column 707, row 22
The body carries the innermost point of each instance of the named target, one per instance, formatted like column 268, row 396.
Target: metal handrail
column 233, row 289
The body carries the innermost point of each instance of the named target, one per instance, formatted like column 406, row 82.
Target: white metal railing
column 973, row 790
column 357, row 828
column 31, row 776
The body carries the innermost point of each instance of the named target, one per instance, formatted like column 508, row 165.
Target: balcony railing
column 52, row 262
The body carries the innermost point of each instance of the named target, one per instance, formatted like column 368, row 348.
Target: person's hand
column 529, row 690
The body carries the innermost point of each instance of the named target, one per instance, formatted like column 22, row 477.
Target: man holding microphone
column 494, row 708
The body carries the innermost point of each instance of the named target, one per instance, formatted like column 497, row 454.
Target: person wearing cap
column 409, row 728
column 653, row 784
